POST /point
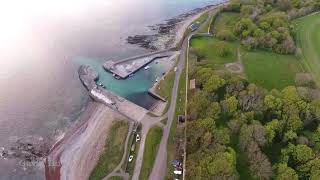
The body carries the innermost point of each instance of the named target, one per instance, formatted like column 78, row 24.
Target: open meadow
column 308, row 41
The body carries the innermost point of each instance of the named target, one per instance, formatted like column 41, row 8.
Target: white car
column 130, row 158
column 137, row 138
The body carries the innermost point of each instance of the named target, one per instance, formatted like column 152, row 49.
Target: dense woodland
column 266, row 24
column 237, row 129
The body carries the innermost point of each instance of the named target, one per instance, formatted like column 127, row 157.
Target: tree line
column 237, row 128
column 266, row 24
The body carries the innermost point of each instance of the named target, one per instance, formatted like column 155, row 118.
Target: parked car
column 137, row 137
column 130, row 158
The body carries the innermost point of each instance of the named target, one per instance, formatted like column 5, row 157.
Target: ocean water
column 42, row 44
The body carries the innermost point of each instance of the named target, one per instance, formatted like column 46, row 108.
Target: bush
column 225, row 35
column 223, row 49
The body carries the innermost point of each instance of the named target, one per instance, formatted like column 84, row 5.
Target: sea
column 42, row 45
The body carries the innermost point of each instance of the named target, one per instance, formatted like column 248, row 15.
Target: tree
column 290, row 94
column 283, row 172
column 198, row 105
column 284, row 4
column 302, row 154
column 230, row 105
column 213, row 83
column 315, row 108
column 290, row 135
column 272, row 102
column 225, row 35
column 202, row 75
column 223, row 49
column 214, row 110
column 272, row 129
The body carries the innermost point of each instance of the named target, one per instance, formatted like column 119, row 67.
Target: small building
column 194, row 27
column 181, row 118
column 192, row 84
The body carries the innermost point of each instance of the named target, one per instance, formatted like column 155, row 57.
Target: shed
column 192, row 84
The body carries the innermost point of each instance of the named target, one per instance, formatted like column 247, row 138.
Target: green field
column 308, row 40
column 112, row 154
column 225, row 21
column 150, row 151
column 208, row 48
column 270, row 70
column 164, row 88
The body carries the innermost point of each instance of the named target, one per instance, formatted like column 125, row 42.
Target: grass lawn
column 180, row 109
column 164, row 88
column 270, row 70
column 208, row 49
column 308, row 40
column 225, row 21
column 115, row 178
column 150, row 152
column 112, row 154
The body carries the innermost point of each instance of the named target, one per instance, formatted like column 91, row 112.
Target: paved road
column 160, row 166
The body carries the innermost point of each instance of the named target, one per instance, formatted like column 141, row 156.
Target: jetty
column 123, row 68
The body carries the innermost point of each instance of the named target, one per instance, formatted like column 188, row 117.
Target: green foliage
column 272, row 129
column 223, row 49
column 213, row 83
column 230, row 105
column 283, row 172
column 225, row 35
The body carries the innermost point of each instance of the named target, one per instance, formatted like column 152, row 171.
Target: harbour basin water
column 134, row 88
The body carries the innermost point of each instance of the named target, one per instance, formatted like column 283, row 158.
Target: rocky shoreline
column 165, row 33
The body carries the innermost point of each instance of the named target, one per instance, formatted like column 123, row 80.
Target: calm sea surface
column 42, row 44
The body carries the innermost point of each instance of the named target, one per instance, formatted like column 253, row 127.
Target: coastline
column 58, row 165
column 168, row 34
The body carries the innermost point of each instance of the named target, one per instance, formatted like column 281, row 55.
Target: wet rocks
column 28, row 150
column 164, row 32
column 88, row 76
column 144, row 41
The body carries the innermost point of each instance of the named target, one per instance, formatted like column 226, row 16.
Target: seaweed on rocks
column 164, row 35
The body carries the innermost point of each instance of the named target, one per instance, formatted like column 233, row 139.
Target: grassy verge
column 151, row 148
column 113, row 151
column 180, row 110
column 308, row 40
column 270, row 70
column 115, row 178
column 207, row 48
column 164, row 88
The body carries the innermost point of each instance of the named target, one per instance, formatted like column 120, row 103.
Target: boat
column 130, row 75
column 147, row 67
column 100, row 84
column 117, row 77
column 157, row 79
